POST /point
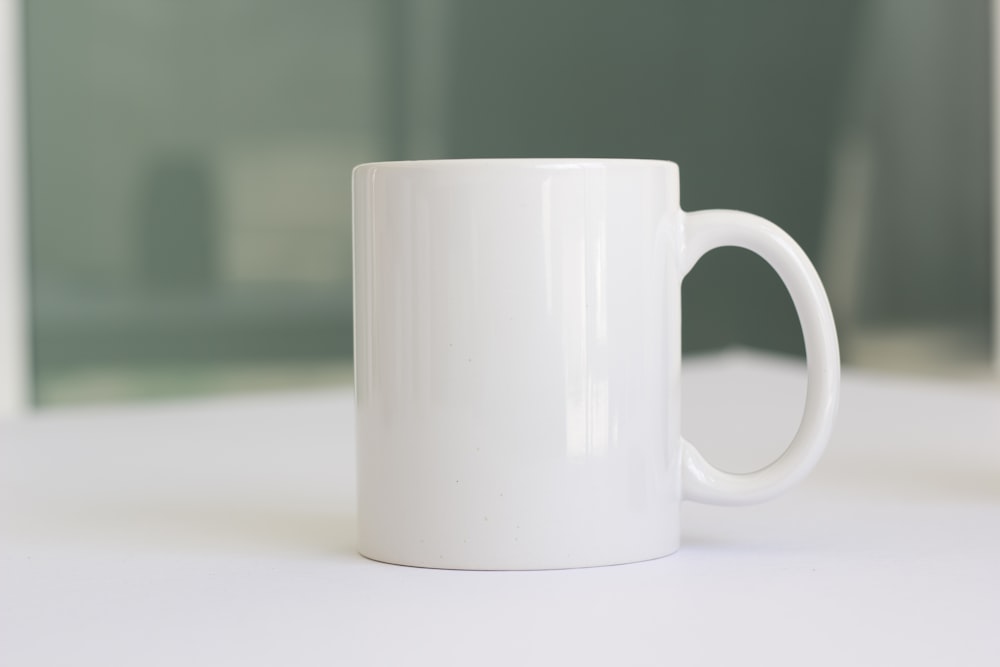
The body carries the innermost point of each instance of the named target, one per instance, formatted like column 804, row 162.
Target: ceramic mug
column 517, row 361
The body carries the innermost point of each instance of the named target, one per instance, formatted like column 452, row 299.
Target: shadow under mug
column 517, row 361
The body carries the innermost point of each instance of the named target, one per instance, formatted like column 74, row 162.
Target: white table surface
column 222, row 533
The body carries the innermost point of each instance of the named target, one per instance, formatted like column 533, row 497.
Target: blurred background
column 188, row 166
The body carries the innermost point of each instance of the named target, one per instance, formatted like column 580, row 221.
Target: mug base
column 499, row 566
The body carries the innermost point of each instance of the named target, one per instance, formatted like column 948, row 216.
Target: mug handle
column 703, row 482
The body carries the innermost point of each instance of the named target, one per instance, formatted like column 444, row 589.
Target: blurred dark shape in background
column 177, row 227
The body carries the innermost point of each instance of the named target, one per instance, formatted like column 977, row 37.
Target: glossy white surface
column 517, row 354
column 223, row 533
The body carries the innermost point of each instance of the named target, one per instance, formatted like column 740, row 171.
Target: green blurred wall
column 189, row 162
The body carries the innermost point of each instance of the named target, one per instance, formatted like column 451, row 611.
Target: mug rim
column 558, row 162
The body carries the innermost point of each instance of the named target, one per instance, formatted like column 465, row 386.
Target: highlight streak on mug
column 517, row 361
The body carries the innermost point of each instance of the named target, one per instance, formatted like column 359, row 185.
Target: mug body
column 517, row 351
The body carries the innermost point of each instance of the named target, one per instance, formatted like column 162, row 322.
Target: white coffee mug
column 517, row 361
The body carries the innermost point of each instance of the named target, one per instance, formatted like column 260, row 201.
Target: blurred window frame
column 15, row 355
column 995, row 176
